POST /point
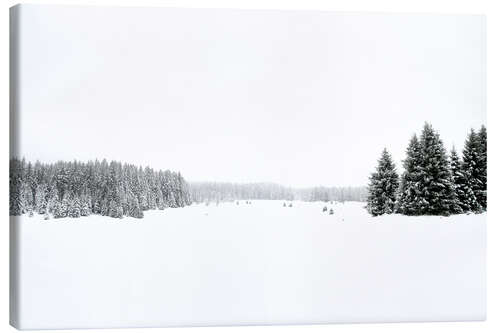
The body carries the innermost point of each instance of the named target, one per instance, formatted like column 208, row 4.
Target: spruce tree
column 465, row 197
column 383, row 186
column 437, row 190
column 471, row 158
column 135, row 209
column 482, row 166
column 41, row 199
column 74, row 208
column 410, row 193
column 85, row 207
column 59, row 209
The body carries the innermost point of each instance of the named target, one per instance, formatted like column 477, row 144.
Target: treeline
column 74, row 189
column 223, row 191
column 433, row 182
column 340, row 194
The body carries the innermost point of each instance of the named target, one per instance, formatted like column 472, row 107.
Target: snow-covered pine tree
column 113, row 209
column 119, row 212
column 464, row 194
column 26, row 197
column 438, row 195
column 41, row 198
column 74, row 208
column 104, row 208
column 383, row 186
column 471, row 166
column 85, row 206
column 185, row 191
column 409, row 193
column 31, row 187
column 51, row 201
column 135, row 209
column 483, row 166
column 59, row 209
column 143, row 189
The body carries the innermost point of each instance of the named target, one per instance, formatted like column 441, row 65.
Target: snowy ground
column 250, row 264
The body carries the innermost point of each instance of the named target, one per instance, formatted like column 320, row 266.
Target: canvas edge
column 14, row 20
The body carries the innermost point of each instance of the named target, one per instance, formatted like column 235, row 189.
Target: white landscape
column 125, row 121
column 258, row 263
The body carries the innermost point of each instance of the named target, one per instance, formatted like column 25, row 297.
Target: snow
column 258, row 263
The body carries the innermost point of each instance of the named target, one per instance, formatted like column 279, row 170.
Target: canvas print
column 192, row 167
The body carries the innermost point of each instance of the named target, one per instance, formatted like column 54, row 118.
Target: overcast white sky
column 297, row 98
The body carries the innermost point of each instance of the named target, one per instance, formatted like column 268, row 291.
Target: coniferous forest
column 433, row 182
column 74, row 189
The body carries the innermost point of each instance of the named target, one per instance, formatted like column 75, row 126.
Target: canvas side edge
column 14, row 30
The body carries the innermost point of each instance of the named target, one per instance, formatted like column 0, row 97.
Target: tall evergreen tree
column 437, row 190
column 466, row 198
column 483, row 166
column 410, row 199
column 472, row 168
column 383, row 186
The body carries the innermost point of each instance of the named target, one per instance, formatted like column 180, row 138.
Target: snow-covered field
column 260, row 263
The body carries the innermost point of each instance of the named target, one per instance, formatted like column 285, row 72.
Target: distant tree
column 383, row 186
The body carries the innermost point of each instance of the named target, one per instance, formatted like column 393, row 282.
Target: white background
column 436, row 6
